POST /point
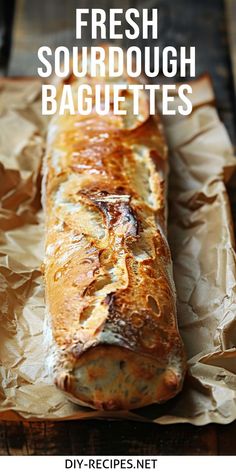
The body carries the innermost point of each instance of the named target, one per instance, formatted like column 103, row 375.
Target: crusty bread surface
column 108, row 272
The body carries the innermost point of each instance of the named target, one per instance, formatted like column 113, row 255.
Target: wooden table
column 182, row 22
column 118, row 438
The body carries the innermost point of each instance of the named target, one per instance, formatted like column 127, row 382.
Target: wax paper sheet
column 202, row 245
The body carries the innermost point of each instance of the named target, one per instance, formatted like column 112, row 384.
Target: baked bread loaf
column 108, row 273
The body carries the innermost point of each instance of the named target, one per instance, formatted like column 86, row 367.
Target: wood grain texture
column 201, row 24
column 106, row 438
column 226, row 439
column 230, row 9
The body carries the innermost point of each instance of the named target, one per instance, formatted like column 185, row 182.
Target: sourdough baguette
column 108, row 273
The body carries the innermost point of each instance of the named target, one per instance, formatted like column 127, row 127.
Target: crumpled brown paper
column 201, row 239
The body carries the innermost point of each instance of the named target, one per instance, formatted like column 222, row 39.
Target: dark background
column 25, row 25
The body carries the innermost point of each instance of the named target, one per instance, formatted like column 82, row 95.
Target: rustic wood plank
column 15, row 439
column 228, row 118
column 3, row 444
column 6, row 19
column 230, row 10
column 106, row 438
column 227, row 439
column 95, row 437
column 34, row 438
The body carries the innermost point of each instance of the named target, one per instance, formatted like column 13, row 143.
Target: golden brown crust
column 108, row 268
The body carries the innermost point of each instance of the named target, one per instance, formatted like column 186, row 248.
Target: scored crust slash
column 108, row 273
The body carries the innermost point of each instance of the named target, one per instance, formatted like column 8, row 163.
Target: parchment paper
column 201, row 239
